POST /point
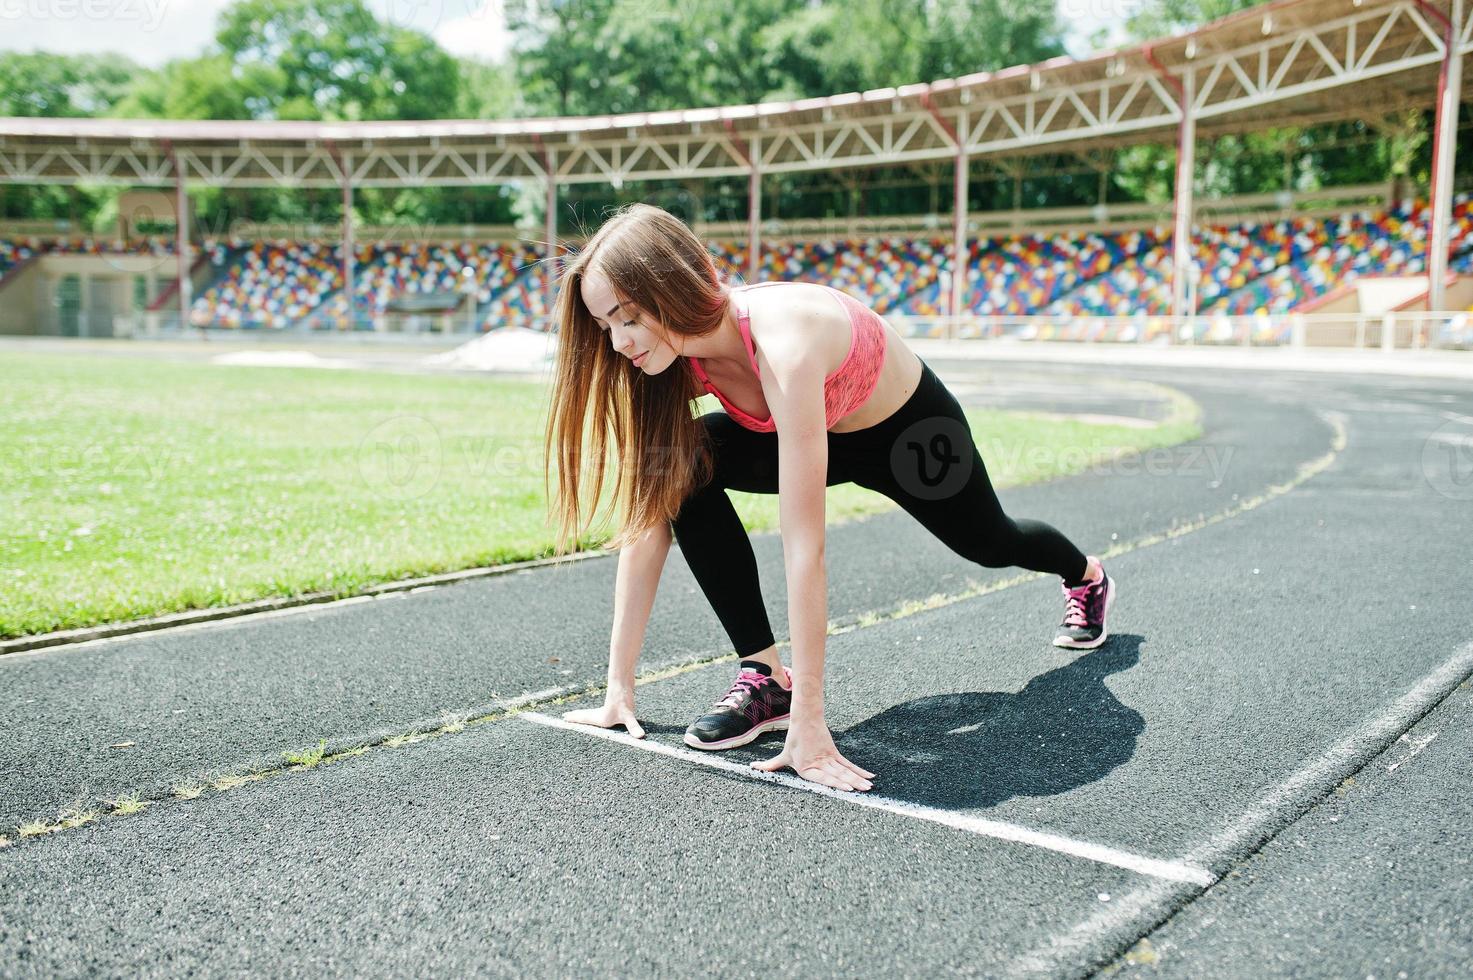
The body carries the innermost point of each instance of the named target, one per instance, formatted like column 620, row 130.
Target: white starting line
column 996, row 829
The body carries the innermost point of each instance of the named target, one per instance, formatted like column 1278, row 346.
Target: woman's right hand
column 617, row 710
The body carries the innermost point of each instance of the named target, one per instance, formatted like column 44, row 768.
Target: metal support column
column 550, row 233
column 1444, row 149
column 347, row 257
column 960, row 252
column 960, row 247
column 549, row 230
column 185, row 290
column 751, row 155
column 754, row 213
column 1181, row 200
column 348, row 251
column 1181, row 232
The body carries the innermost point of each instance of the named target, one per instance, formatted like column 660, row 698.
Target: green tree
column 333, row 59
column 41, row 84
column 1160, row 18
column 581, row 57
column 588, row 57
column 192, row 88
column 853, row 45
column 486, row 90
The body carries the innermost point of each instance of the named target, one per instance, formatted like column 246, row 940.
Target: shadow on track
column 1065, row 729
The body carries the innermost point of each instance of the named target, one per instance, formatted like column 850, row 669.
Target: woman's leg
column 923, row 457
column 713, row 540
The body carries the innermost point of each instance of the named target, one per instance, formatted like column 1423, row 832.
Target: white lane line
column 1346, row 756
column 1152, row 867
column 220, row 617
column 1289, row 800
column 133, row 631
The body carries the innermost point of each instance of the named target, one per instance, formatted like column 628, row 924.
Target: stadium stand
column 13, row 254
column 386, row 272
column 895, row 274
column 1247, row 268
column 269, row 285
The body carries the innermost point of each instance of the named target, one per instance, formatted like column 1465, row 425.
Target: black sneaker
column 1085, row 608
column 756, row 703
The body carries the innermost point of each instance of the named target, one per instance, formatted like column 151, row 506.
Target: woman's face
column 628, row 328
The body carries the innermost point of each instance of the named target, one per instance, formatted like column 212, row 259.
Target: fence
column 1389, row 331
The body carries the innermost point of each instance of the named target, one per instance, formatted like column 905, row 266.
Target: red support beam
column 750, row 154
column 1444, row 150
column 960, row 247
column 347, row 237
column 185, row 286
column 1181, row 198
column 549, row 168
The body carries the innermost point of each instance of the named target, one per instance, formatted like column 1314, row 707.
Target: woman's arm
column 635, row 584
column 802, row 470
column 638, row 579
column 794, row 386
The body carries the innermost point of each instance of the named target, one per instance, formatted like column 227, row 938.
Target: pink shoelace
column 1076, row 604
column 747, row 680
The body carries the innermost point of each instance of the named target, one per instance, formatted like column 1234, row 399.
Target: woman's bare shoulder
column 791, row 311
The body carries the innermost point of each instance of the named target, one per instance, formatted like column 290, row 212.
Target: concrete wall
column 23, row 297
column 31, row 300
column 1459, row 296
column 1381, row 293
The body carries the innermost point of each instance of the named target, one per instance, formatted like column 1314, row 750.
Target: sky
column 155, row 31
column 152, row 32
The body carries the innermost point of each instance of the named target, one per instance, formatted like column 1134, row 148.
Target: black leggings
column 922, row 457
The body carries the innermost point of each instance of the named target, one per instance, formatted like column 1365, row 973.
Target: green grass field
column 139, row 487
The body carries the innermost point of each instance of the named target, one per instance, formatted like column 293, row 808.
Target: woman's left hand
column 810, row 752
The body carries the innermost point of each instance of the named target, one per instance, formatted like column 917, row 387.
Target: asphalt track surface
column 1265, row 770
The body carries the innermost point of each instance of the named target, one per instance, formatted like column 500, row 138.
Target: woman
column 818, row 390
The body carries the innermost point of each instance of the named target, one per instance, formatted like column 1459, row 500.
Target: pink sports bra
column 846, row 389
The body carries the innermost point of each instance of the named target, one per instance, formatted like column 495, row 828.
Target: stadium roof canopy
column 1290, row 62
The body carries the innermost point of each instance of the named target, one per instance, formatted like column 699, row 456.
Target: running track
column 1264, row 772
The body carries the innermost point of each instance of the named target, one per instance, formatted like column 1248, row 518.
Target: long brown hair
column 657, row 264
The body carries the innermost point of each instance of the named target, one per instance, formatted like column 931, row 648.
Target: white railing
column 1387, row 331
column 1391, row 331
column 1123, row 216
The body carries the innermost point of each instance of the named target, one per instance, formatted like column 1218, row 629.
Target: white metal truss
column 1310, row 60
column 1364, row 45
